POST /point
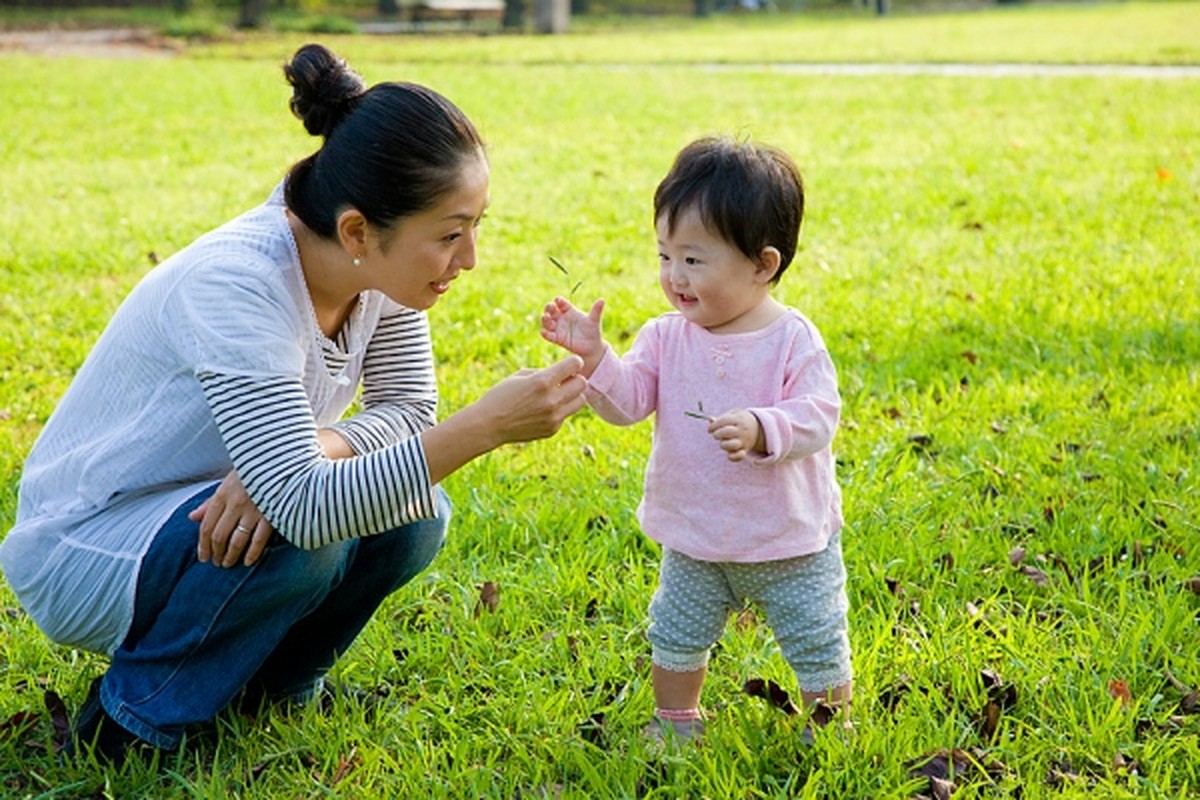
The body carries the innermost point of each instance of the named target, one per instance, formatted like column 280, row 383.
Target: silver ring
column 240, row 528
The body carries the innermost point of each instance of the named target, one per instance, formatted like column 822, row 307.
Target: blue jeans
column 202, row 634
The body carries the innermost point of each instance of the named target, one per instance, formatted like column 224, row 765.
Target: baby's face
column 707, row 280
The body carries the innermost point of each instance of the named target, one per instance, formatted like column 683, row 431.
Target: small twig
column 699, row 413
column 559, row 265
column 565, row 271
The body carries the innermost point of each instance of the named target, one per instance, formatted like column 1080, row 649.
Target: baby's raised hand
column 738, row 433
column 566, row 326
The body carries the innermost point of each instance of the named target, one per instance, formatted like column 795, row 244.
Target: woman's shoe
column 95, row 732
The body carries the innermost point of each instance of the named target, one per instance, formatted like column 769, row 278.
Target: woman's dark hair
column 751, row 195
column 389, row 151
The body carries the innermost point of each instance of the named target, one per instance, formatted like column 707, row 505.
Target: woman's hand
column 566, row 326
column 231, row 527
column 532, row 404
column 738, row 433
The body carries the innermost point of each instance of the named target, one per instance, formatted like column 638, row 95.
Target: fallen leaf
column 592, row 729
column 346, row 765
column 890, row 697
column 1124, row 766
column 920, row 442
column 947, row 765
column 773, row 693
column 1163, row 174
column 989, row 721
column 59, row 718
column 489, row 597
column 1060, row 774
column 1036, row 575
column 1016, row 556
column 970, row 356
column 1119, row 690
column 1000, row 698
column 18, row 723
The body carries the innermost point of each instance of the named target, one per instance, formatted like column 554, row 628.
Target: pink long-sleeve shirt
column 698, row 502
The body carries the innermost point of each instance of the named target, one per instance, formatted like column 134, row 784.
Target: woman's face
column 416, row 261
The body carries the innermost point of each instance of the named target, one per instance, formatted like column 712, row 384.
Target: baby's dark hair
column 751, row 195
column 390, row 151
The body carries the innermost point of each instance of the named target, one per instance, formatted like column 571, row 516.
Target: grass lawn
column 1005, row 271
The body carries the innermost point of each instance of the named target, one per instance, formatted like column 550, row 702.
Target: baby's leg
column 687, row 615
column 806, row 606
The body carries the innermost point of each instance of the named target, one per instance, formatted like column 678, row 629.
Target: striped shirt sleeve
column 399, row 398
column 311, row 500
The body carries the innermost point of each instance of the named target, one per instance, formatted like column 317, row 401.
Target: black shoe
column 97, row 733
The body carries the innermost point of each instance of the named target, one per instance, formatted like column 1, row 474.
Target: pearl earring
column 357, row 261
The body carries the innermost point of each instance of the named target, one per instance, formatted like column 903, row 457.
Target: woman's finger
column 239, row 539
column 258, row 542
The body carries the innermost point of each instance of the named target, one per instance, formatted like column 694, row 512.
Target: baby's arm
column 566, row 326
column 739, row 434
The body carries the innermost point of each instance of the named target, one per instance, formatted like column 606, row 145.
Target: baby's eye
column 691, row 261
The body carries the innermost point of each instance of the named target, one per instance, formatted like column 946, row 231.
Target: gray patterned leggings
column 804, row 599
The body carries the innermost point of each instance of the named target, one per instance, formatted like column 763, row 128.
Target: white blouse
column 215, row 362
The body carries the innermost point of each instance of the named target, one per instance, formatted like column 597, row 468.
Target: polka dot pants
column 804, row 599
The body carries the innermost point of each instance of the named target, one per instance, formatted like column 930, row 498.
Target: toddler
column 740, row 488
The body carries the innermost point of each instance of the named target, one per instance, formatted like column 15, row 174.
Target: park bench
column 464, row 11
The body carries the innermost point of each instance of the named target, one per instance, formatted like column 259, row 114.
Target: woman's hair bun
column 324, row 88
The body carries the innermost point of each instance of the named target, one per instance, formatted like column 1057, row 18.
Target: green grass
column 1005, row 272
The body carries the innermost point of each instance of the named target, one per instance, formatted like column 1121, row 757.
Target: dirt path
column 147, row 43
column 98, row 43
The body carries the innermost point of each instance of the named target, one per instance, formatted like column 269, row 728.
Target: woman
column 197, row 507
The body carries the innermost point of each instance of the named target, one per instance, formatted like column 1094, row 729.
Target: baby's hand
column 738, row 433
column 566, row 326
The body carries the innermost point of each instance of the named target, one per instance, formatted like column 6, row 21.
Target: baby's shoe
column 685, row 726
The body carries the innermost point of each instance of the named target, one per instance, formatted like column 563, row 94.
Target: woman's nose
column 465, row 257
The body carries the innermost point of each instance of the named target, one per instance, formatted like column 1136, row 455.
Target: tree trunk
column 514, row 14
column 251, row 13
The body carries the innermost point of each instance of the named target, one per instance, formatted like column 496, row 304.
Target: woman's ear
column 352, row 230
column 768, row 264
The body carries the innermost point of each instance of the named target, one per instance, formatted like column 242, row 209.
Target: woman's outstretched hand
column 531, row 404
column 231, row 526
column 534, row 403
column 566, row 326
